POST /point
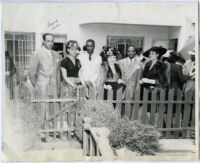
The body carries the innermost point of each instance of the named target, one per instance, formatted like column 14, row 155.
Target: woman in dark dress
column 69, row 69
column 113, row 75
column 154, row 73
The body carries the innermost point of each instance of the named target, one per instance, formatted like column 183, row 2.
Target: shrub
column 123, row 132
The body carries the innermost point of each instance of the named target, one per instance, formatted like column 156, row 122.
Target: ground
column 22, row 141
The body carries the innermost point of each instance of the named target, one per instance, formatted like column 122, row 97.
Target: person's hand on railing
column 141, row 82
column 146, row 80
column 120, row 81
column 79, row 86
column 88, row 83
column 109, row 87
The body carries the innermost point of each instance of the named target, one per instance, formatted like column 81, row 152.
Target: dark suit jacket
column 177, row 79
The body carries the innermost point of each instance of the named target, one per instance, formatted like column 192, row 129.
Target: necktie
column 90, row 57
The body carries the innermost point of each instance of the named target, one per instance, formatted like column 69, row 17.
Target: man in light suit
column 189, row 69
column 43, row 72
column 131, row 70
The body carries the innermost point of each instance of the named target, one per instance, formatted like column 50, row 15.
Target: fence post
column 86, row 127
column 103, row 143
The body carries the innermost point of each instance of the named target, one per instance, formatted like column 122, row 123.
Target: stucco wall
column 74, row 20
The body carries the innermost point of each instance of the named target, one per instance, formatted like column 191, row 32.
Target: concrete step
column 52, row 145
column 54, row 155
column 54, row 151
column 176, row 147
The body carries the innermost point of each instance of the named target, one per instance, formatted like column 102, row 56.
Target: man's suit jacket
column 187, row 67
column 131, row 73
column 190, row 84
column 177, row 78
column 43, row 72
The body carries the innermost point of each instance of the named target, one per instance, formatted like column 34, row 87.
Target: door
column 122, row 42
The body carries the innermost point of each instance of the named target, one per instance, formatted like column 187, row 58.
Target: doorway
column 122, row 42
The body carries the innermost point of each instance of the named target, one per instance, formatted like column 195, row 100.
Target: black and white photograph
column 91, row 81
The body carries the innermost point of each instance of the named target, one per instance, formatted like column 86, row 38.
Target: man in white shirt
column 90, row 65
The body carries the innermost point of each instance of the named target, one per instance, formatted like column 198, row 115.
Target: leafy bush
column 123, row 132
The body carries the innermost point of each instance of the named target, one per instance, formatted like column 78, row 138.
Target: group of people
column 157, row 67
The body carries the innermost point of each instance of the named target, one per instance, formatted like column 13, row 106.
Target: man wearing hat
column 189, row 69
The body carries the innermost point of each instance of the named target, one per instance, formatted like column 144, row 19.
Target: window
column 60, row 41
column 122, row 42
column 20, row 46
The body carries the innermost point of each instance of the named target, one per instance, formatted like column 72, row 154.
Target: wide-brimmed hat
column 191, row 52
column 159, row 50
column 173, row 56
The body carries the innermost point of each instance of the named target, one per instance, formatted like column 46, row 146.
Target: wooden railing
column 171, row 111
column 95, row 140
column 58, row 123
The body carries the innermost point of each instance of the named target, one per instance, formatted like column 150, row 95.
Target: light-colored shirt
column 192, row 69
column 90, row 69
column 130, row 61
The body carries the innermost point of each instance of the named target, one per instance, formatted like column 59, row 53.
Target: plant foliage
column 123, row 132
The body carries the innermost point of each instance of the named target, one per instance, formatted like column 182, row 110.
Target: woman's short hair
column 72, row 43
column 111, row 49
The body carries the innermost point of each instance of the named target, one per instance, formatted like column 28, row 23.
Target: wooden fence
column 95, row 140
column 171, row 111
column 58, row 122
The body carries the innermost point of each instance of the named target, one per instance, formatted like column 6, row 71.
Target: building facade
column 108, row 23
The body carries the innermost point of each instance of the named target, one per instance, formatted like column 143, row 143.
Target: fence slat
column 82, row 92
column 135, row 110
column 69, row 120
column 47, row 133
column 110, row 95
column 128, row 106
column 97, row 151
column 61, row 126
column 92, row 147
column 178, row 113
column 161, row 109
column 100, row 93
column 144, row 117
column 119, row 97
column 55, row 126
column 187, row 111
column 169, row 111
column 193, row 110
column 153, row 107
column 91, row 93
column 193, row 115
